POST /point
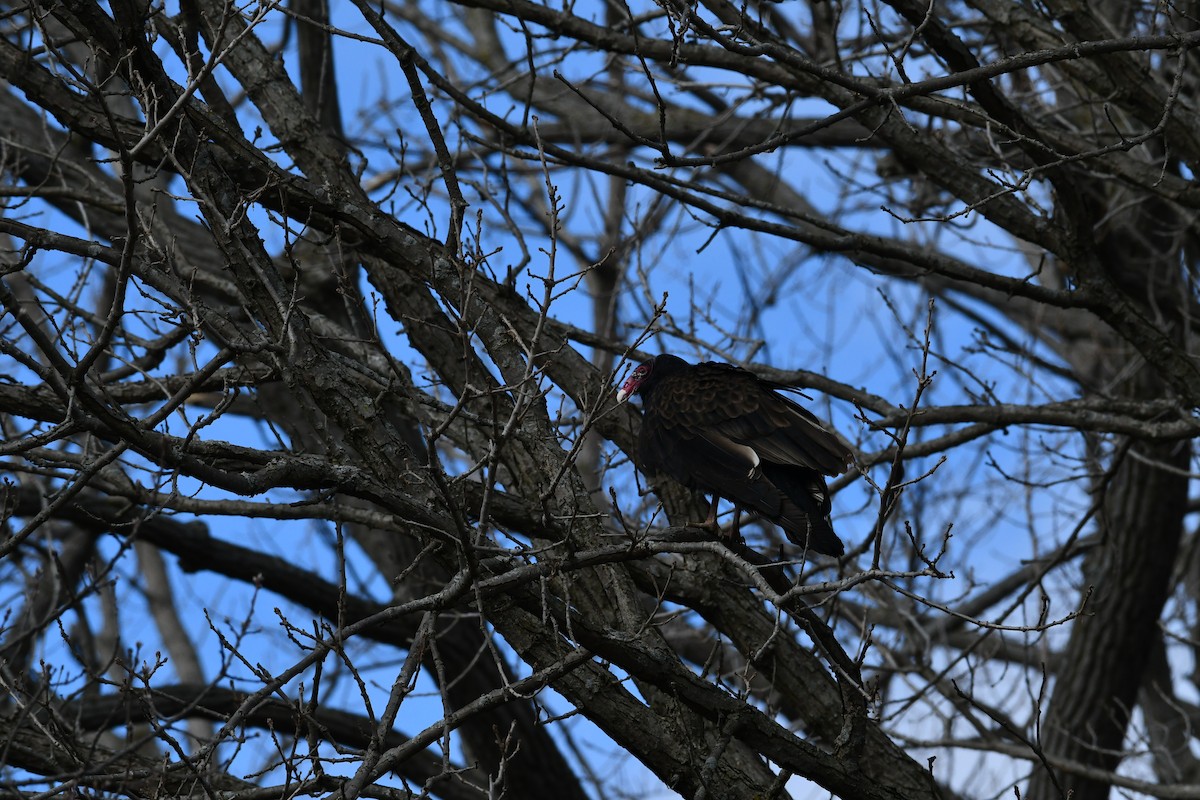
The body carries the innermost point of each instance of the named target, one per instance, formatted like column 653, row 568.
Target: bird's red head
column 635, row 380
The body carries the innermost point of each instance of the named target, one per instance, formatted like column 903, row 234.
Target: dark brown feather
column 723, row 430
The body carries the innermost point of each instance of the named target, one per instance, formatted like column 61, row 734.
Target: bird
column 724, row 431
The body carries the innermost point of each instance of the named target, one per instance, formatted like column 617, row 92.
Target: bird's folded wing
column 782, row 432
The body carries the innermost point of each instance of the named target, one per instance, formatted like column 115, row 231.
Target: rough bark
column 386, row 291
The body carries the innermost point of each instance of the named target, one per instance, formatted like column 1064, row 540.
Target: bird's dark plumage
column 725, row 431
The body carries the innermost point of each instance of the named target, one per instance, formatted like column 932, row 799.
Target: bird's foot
column 733, row 534
column 710, row 522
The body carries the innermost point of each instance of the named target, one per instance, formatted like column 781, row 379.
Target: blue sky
column 827, row 316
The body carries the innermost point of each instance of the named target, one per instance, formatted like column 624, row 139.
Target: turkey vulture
column 725, row 431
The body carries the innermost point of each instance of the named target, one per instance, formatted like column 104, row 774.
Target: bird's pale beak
column 622, row 395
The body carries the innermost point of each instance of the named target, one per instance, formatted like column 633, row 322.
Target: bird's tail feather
column 813, row 533
column 804, row 513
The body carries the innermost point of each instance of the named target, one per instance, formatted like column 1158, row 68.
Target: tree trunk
column 1142, row 500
